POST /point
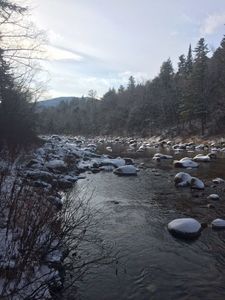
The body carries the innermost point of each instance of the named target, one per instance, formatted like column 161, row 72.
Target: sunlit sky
column 98, row 44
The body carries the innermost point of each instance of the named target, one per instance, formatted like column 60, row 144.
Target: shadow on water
column 154, row 265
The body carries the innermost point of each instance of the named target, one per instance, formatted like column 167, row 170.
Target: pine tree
column 199, row 83
column 189, row 62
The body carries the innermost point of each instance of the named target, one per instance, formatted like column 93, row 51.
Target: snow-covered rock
column 185, row 162
column 179, row 147
column 109, row 149
column 213, row 197
column 40, row 175
column 218, row 224
column 109, row 168
column 128, row 161
column 56, row 165
column 197, row 184
column 201, row 147
column 126, row 170
column 116, row 162
column 202, row 158
column 182, row 179
column 162, row 156
column 187, row 228
column 218, row 180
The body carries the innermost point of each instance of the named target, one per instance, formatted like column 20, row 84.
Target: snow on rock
column 187, row 228
column 197, row 184
column 202, row 158
column 162, row 156
column 108, row 148
column 182, row 179
column 218, row 224
column 185, row 162
column 40, row 152
column 116, row 162
column 56, row 165
column 218, row 180
column 92, row 147
column 128, row 161
column 107, row 168
column 213, row 197
column 40, row 175
column 126, row 170
column 84, row 165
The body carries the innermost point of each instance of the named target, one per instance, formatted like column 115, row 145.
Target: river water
column 152, row 264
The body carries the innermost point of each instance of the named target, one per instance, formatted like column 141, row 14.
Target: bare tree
column 22, row 45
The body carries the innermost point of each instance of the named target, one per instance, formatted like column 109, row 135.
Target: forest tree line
column 190, row 100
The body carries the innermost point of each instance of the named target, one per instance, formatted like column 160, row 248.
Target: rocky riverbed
column 192, row 170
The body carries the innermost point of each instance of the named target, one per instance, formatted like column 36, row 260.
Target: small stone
column 218, row 224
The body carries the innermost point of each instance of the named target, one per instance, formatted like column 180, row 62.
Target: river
column 152, row 264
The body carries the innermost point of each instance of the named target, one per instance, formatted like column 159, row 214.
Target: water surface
column 154, row 265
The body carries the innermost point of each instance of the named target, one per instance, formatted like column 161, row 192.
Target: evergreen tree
column 199, row 83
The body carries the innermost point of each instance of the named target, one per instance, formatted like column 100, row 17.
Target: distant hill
column 55, row 101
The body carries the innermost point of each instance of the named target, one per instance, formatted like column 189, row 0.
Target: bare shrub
column 39, row 242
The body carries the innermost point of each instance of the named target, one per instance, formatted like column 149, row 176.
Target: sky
column 98, row 44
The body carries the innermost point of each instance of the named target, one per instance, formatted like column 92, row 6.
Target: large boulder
column 186, row 228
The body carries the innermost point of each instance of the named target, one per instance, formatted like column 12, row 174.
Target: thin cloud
column 212, row 23
column 57, row 54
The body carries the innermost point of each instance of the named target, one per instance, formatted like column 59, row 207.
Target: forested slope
column 190, row 100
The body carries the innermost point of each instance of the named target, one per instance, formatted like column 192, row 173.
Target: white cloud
column 54, row 37
column 212, row 23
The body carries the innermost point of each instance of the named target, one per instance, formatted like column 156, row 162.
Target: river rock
column 57, row 165
column 196, row 183
column 40, row 175
column 202, row 158
column 116, row 162
column 185, row 162
column 126, row 170
column 218, row 180
column 162, row 156
column 213, row 197
column 182, row 179
column 187, row 228
column 128, row 161
column 218, row 224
